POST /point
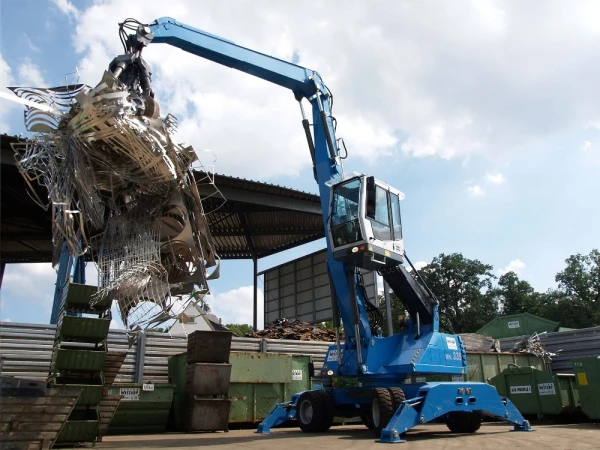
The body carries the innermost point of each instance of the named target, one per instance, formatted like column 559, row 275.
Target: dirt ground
column 490, row 436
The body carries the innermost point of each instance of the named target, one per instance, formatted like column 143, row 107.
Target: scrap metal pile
column 121, row 188
column 532, row 345
column 474, row 342
column 295, row 330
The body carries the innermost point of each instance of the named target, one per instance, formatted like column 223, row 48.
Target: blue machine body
column 365, row 360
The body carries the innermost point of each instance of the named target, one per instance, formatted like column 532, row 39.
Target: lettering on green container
column 520, row 389
column 546, row 389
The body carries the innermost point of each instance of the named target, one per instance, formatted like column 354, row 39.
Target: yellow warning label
column 582, row 378
column 387, row 253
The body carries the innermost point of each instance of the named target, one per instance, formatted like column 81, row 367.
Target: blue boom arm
column 305, row 84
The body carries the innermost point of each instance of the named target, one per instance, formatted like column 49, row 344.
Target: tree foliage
column 469, row 295
column 463, row 288
column 576, row 302
column 240, row 329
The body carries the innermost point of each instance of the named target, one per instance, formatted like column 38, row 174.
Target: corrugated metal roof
column 255, row 218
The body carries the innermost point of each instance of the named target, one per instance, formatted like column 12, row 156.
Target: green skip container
column 587, row 377
column 143, row 408
column 259, row 381
column 536, row 392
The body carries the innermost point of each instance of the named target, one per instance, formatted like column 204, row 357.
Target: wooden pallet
column 33, row 422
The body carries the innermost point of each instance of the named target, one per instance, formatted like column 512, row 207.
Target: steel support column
column 62, row 280
column 255, row 306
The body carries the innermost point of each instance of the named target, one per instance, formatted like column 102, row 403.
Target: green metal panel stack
column 78, row 356
column 535, row 392
column 587, row 376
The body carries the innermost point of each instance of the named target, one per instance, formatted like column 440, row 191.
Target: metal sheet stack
column 566, row 344
column 207, row 378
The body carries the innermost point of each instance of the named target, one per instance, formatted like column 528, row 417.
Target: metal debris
column 474, row 342
column 294, row 330
column 120, row 187
column 532, row 345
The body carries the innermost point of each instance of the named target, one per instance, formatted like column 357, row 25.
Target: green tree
column 464, row 289
column 581, row 278
column 516, row 296
column 576, row 302
column 240, row 329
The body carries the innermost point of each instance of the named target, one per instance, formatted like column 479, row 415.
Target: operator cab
column 364, row 222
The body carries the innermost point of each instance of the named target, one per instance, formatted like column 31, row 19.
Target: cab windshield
column 345, row 225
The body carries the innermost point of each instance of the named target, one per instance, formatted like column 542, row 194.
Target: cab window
column 345, row 226
column 396, row 220
column 380, row 220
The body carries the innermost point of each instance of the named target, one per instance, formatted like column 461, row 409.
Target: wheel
column 464, row 422
column 382, row 409
column 367, row 420
column 315, row 411
column 398, row 397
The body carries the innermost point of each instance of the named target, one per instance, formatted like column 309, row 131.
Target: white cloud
column 475, row 191
column 67, row 8
column 7, row 320
column 30, row 74
column 6, row 106
column 30, row 44
column 494, row 178
column 30, row 286
column 475, row 83
column 420, row 264
column 517, row 266
column 586, row 146
column 236, row 306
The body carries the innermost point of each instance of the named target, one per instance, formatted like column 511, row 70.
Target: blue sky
column 484, row 114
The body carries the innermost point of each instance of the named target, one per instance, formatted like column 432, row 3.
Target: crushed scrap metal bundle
column 121, row 188
column 532, row 345
column 295, row 330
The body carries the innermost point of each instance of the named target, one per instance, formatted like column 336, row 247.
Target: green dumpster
column 535, row 392
column 143, row 408
column 587, row 378
column 259, row 381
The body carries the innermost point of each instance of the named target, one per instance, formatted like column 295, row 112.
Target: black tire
column 463, row 422
column 314, row 411
column 398, row 397
column 367, row 420
column 382, row 409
